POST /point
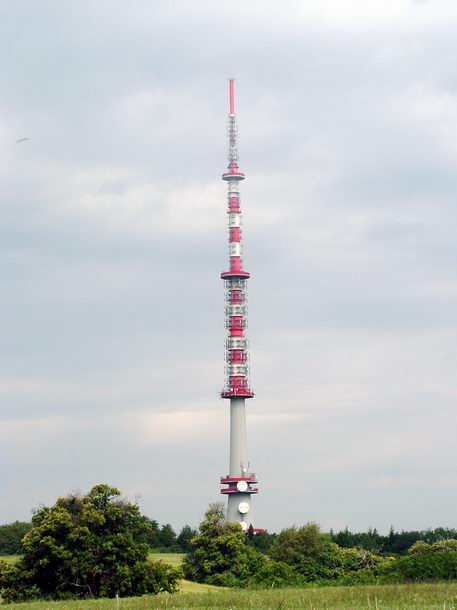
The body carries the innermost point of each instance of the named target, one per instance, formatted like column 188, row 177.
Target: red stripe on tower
column 237, row 356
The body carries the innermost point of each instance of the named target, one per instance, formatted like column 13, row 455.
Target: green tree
column 11, row 537
column 437, row 561
column 217, row 546
column 184, row 538
column 262, row 541
column 400, row 542
column 315, row 557
column 221, row 554
column 439, row 533
column 344, row 538
column 167, row 536
column 86, row 546
column 151, row 533
column 295, row 543
column 371, row 540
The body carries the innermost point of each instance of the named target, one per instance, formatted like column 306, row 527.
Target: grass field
column 185, row 586
column 174, row 559
column 437, row 596
column 440, row 596
column 9, row 558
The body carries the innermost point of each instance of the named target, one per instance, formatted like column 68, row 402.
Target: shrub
column 426, row 562
column 86, row 546
column 316, row 558
column 219, row 553
column 216, row 548
column 293, row 544
column 276, row 574
column 310, row 553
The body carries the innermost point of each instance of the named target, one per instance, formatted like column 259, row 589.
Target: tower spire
column 232, row 129
column 232, row 95
column 237, row 387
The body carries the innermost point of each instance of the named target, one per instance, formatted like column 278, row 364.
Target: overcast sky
column 113, row 235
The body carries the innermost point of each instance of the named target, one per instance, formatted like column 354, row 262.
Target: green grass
column 173, row 559
column 439, row 596
column 9, row 558
column 185, row 586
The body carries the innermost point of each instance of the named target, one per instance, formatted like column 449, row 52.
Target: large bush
column 437, row 561
column 216, row 548
column 309, row 552
column 275, row 574
column 86, row 546
column 222, row 554
column 316, row 558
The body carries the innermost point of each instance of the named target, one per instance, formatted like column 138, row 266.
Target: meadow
column 424, row 596
column 439, row 596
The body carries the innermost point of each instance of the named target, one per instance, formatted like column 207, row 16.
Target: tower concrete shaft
column 237, row 388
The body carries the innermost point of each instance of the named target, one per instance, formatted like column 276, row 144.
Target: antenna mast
column 237, row 387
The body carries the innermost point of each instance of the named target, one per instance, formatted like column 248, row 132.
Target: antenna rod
column 232, row 95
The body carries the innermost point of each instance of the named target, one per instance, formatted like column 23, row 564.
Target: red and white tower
column 240, row 482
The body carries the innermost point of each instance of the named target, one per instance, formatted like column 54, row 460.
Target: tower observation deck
column 240, row 482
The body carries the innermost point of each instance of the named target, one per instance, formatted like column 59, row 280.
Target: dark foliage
column 316, row 558
column 370, row 540
column 395, row 543
column 217, row 546
column 219, row 555
column 436, row 561
column 86, row 546
column 275, row 574
column 11, row 536
column 163, row 538
column 167, row 540
column 262, row 541
column 150, row 533
column 184, row 538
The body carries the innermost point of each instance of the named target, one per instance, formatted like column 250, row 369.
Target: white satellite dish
column 243, row 507
column 242, row 486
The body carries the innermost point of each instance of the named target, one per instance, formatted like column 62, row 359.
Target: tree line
column 395, row 543
column 161, row 538
column 392, row 544
column 98, row 545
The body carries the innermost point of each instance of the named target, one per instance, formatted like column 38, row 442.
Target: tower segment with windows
column 240, row 482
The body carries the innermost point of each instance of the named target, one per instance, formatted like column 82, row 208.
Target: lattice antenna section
column 236, row 369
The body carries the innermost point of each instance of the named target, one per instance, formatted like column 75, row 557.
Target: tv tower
column 236, row 388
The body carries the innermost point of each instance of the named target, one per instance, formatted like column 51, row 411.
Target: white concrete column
column 238, row 438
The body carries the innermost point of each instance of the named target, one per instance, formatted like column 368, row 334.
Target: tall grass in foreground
column 439, row 596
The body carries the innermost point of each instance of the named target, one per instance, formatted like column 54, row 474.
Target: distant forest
column 395, row 543
column 163, row 538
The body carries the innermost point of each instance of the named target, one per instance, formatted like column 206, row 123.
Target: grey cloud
column 113, row 235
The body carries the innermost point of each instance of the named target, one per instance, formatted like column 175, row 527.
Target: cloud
column 112, row 239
